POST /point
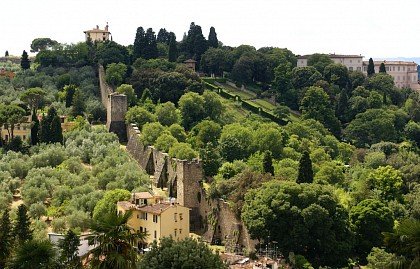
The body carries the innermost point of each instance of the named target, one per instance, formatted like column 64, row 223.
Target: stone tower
column 115, row 118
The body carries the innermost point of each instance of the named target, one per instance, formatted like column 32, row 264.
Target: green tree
column 178, row 132
column 150, row 51
column 78, row 104
column 6, row 238
column 68, row 92
column 269, row 137
column 268, row 163
column 316, row 224
column 167, row 114
column 382, row 68
column 6, row 54
column 382, row 83
column 342, row 108
column 128, row 90
column 108, row 203
column 370, row 68
column 213, row 41
column 140, row 43
column 319, row 61
column 182, row 151
column 34, row 254
column 56, row 133
column 337, row 74
column 380, row 259
column 316, row 105
column 412, row 132
column 21, row 228
column 33, row 97
column 306, row 174
column 24, row 61
column 34, row 129
column 369, row 219
column 173, row 50
column 139, row 115
column 211, row 159
column 40, row 44
column 165, row 141
column 115, row 74
column 388, row 181
column 12, row 115
column 151, row 132
column 192, row 110
column 206, row 131
column 115, row 242
column 187, row 253
column 235, row 142
column 303, row 77
column 69, row 250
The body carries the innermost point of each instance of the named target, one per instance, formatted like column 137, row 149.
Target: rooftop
column 156, row 209
column 190, row 61
column 390, row 62
column 332, row 55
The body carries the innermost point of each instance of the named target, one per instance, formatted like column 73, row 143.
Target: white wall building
column 352, row 62
column 98, row 35
column 404, row 73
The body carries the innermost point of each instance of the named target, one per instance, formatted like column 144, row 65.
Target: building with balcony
column 156, row 216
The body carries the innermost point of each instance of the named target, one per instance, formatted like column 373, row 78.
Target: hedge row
column 213, row 80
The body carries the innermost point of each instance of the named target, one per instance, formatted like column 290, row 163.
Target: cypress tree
column 173, row 51
column 342, row 106
column 382, row 68
column 56, row 133
column 78, row 104
column 371, row 68
column 150, row 51
column 45, row 129
column 213, row 42
column 268, row 163
column 6, row 237
column 163, row 36
column 24, row 61
column 6, row 54
column 306, row 174
column 69, row 247
column 139, row 43
column 21, row 229
column 34, row 129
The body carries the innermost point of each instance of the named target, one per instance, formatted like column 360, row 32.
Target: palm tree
column 114, row 241
column 405, row 241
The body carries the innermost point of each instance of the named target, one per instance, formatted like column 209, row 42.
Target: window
column 180, row 216
column 141, row 229
column 175, row 232
column 364, row 68
column 393, row 68
column 403, row 68
column 138, row 216
column 351, row 61
column 155, row 233
column 398, row 78
column 143, row 216
column 351, row 68
column 180, row 231
column 24, row 137
column 398, row 68
column 408, row 68
column 155, row 218
column 175, row 217
column 359, row 68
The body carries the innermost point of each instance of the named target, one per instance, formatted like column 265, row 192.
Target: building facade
column 98, row 35
column 405, row 74
column 352, row 62
column 156, row 216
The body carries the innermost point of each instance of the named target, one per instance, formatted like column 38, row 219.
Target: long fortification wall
column 213, row 219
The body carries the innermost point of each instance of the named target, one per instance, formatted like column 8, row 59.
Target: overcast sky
column 373, row 28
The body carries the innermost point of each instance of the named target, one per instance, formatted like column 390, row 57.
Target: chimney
column 106, row 27
column 97, row 27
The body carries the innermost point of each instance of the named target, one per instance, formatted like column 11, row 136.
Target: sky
column 372, row 28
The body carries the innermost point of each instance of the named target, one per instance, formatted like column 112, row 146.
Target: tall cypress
column 56, row 135
column 24, row 61
column 173, row 51
column 306, row 174
column 34, row 129
column 6, row 237
column 45, row 129
column 151, row 51
column 371, row 68
column 69, row 247
column 139, row 43
column 382, row 68
column 213, row 42
column 6, row 54
column 268, row 163
column 342, row 106
column 78, row 104
column 21, row 230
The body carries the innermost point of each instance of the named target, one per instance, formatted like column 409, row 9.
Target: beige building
column 98, row 35
column 404, row 73
column 352, row 62
column 157, row 217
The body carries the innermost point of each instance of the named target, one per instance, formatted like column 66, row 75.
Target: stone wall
column 213, row 219
column 116, row 107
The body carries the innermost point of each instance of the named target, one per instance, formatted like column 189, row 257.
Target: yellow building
column 157, row 217
column 98, row 35
column 22, row 130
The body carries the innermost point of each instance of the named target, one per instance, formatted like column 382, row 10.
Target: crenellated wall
column 213, row 219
